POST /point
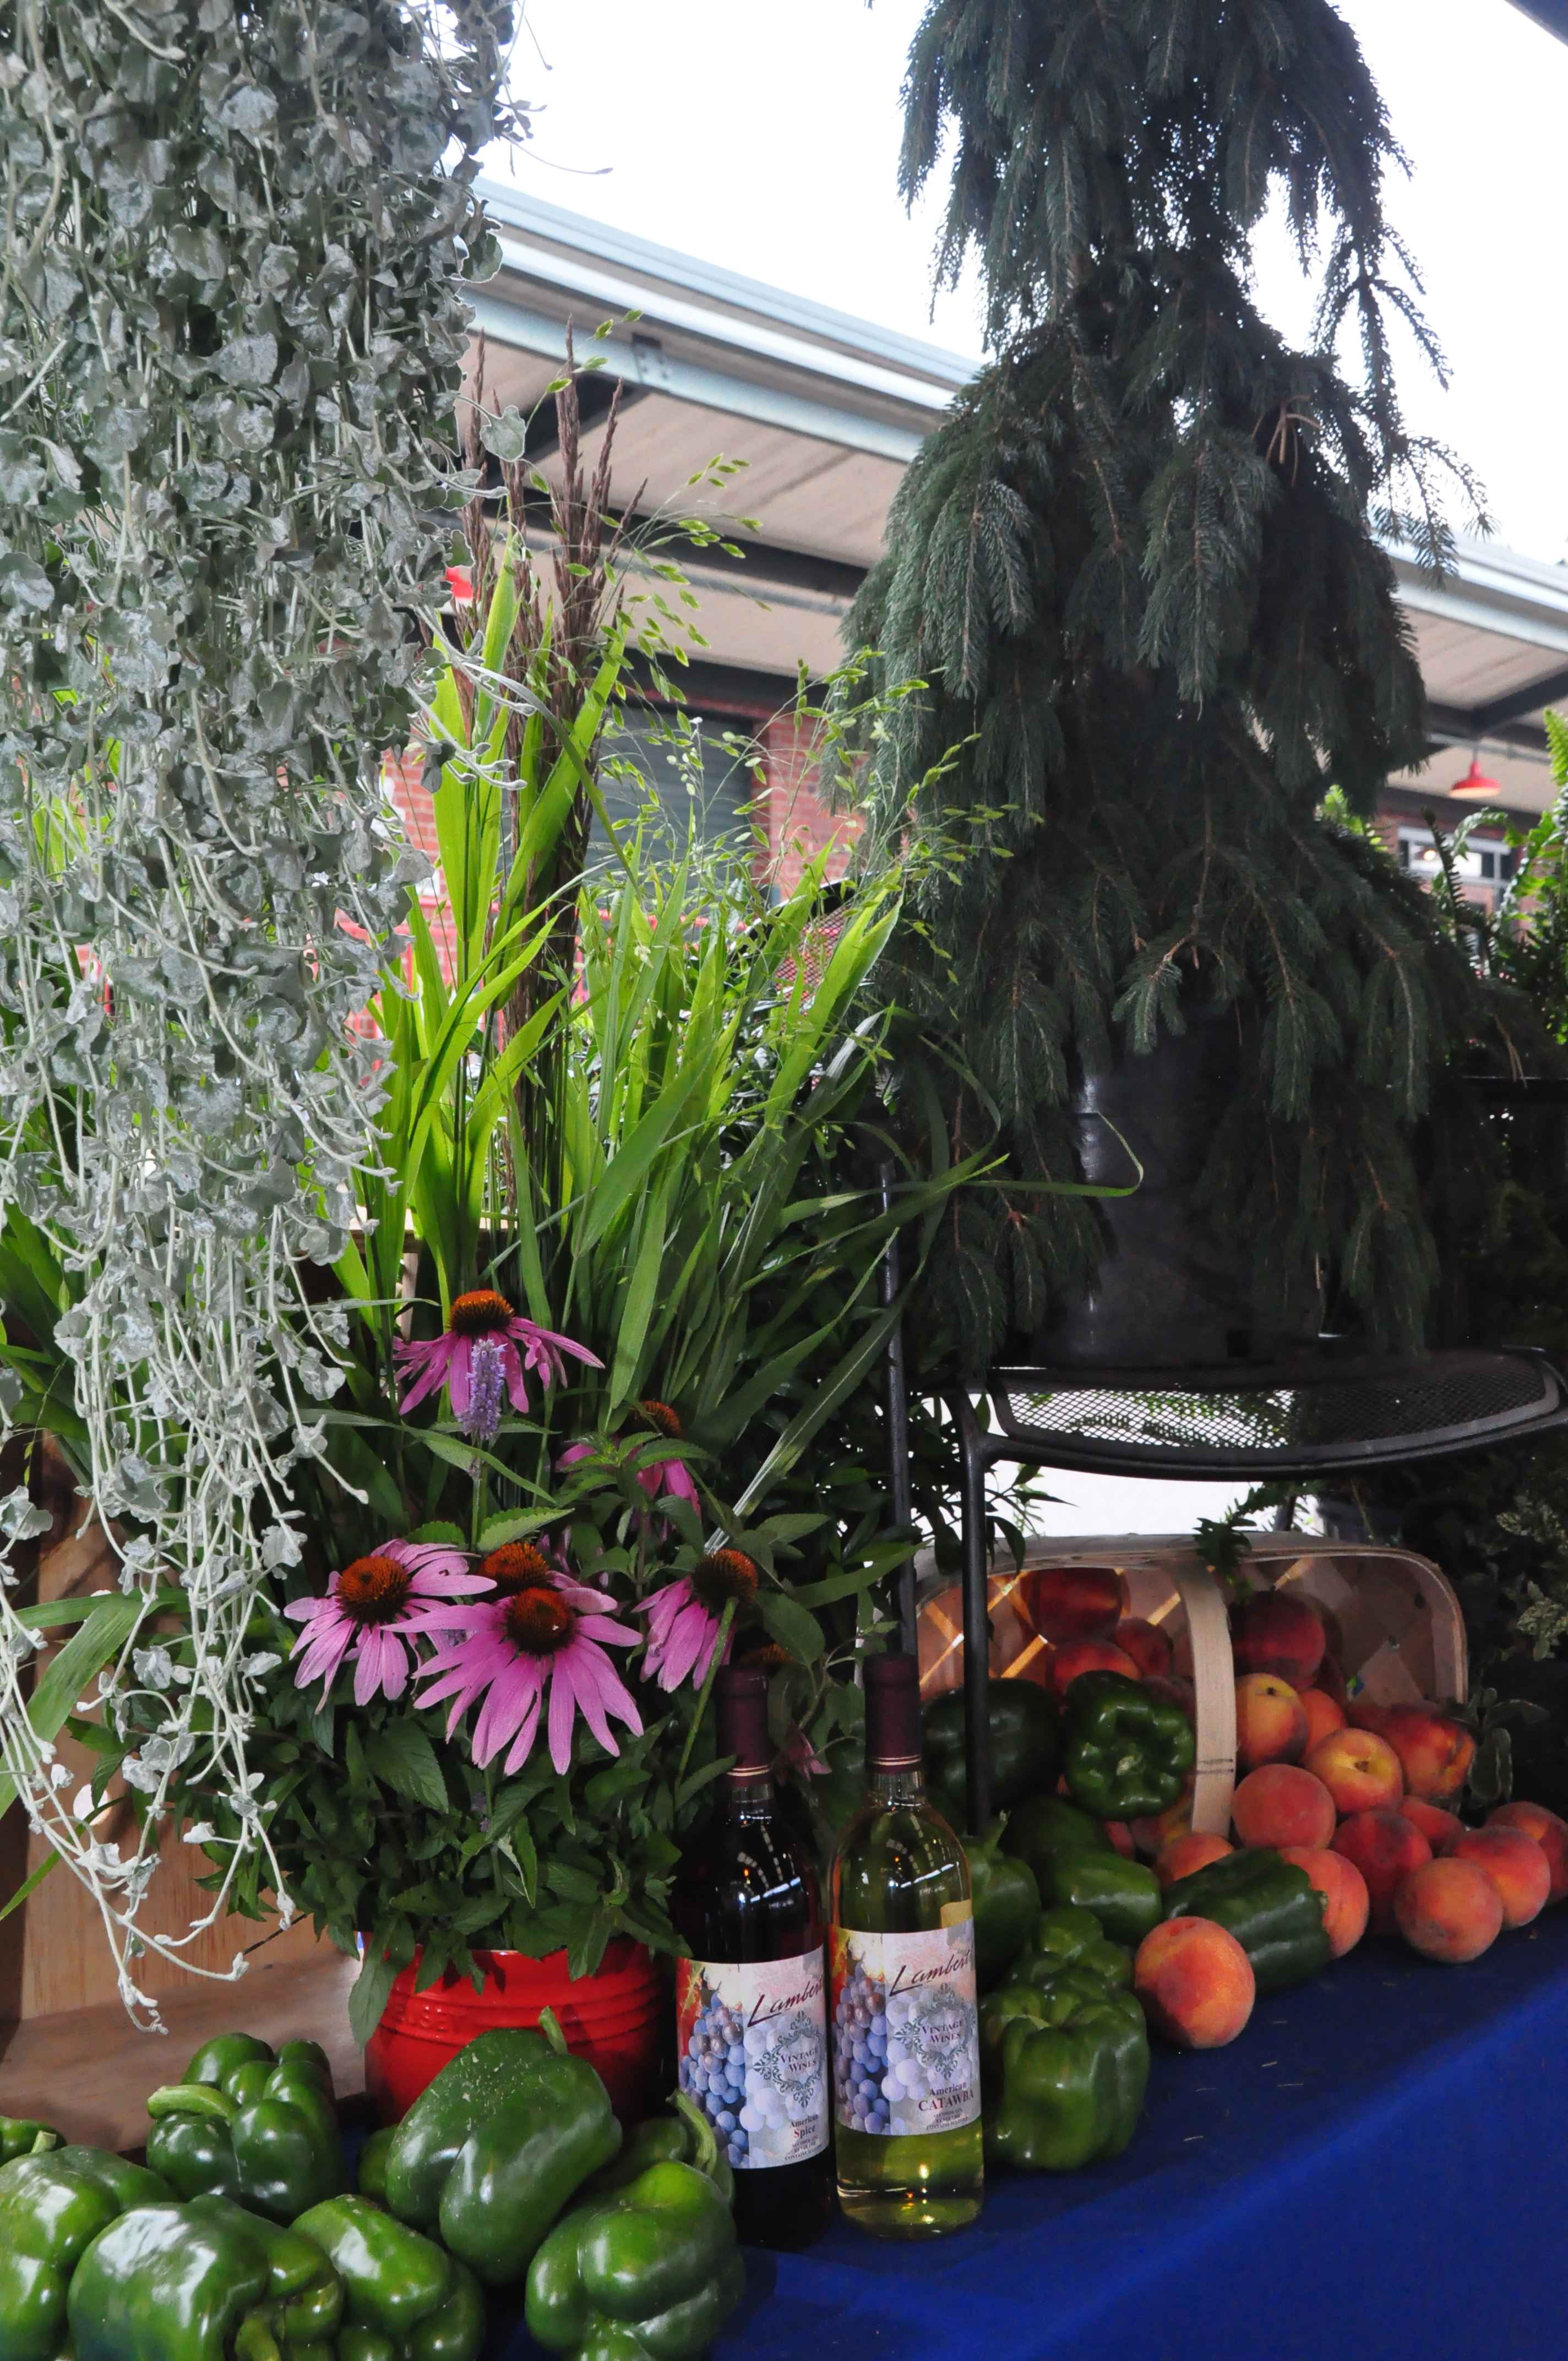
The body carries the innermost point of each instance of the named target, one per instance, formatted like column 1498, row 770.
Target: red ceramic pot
column 614, row 2018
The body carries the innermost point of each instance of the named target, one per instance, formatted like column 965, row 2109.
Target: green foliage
column 1136, row 566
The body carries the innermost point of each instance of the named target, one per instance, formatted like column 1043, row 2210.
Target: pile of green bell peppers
column 245, row 2124
column 52, row 2206
column 404, row 2298
column 1064, row 2066
column 204, row 2281
column 1075, row 1862
column 1006, row 1905
column 1025, row 1746
column 649, row 2272
column 1128, row 1749
column 497, row 2146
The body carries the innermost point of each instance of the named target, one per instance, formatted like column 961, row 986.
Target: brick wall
column 796, row 819
column 793, row 820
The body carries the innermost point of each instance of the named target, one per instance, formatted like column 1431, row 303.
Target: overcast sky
column 765, row 138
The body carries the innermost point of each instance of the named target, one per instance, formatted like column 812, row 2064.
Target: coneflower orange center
column 722, row 1575
column 538, row 1622
column 480, row 1313
column 373, row 1589
column 516, row 1565
column 662, row 1420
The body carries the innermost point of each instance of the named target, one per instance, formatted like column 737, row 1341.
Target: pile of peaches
column 1360, row 1797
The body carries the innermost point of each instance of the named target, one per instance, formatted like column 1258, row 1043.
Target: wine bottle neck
column 749, row 1794
column 899, row 1783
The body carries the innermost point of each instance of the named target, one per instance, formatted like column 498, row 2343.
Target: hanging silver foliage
column 230, row 318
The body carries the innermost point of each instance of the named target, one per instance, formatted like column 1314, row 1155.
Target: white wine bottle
column 905, row 2026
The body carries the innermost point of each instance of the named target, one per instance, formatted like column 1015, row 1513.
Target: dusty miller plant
column 234, row 243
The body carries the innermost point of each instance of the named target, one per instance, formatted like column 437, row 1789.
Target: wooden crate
column 1394, row 1615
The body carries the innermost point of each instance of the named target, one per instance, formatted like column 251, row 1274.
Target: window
column 694, row 775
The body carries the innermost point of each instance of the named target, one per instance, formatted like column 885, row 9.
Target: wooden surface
column 89, row 2070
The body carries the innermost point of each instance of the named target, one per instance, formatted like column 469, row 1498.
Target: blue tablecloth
column 1377, row 2169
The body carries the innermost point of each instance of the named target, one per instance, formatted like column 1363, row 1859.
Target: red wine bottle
column 752, row 2001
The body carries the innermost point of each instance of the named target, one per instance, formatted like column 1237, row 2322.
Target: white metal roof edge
column 505, row 322
column 1491, row 588
column 547, row 224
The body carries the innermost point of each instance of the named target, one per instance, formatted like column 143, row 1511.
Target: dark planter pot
column 1170, row 1293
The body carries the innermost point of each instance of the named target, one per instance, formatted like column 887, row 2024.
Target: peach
column 1148, row 1646
column 1185, row 1855
column 1073, row 1602
column 1075, row 1656
column 1280, row 1803
column 1271, row 1726
column 1277, row 1632
column 1516, row 1866
column 1438, row 1826
column 1549, row 1833
column 1385, row 1847
column 1195, row 1982
column 1323, row 1714
column 1346, row 1902
column 1360, row 1770
column 1449, row 1910
column 1435, row 1751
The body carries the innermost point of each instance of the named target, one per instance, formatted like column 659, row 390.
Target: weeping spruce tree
column 1140, row 568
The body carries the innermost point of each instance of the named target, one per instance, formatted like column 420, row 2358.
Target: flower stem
column 714, row 1662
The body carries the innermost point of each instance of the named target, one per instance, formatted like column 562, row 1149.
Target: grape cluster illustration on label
column 753, row 2055
column 905, row 2031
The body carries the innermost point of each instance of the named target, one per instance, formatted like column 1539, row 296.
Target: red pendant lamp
column 1475, row 786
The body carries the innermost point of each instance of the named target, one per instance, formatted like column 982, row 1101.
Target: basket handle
column 1213, row 1681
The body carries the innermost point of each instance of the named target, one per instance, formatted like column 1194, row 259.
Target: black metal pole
column 897, row 1404
column 977, row 1626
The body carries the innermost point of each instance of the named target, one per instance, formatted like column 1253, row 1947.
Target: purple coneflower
column 485, row 1346
column 374, row 1609
column 670, row 1476
column 684, row 1619
column 538, row 1631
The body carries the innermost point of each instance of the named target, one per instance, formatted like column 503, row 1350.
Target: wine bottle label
column 753, row 2042
column 905, row 2030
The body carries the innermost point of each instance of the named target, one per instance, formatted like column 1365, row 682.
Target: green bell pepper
column 649, row 2273
column 497, row 2146
column 205, row 2281
column 1049, row 1824
column 1064, row 2069
column 1006, row 1905
column 1071, row 1937
column 685, row 2137
column 1272, row 1908
column 1128, row 1751
column 1025, row 1747
column 52, row 2208
column 404, row 2299
column 20, row 2137
column 1124, row 1896
column 244, row 2125
column 371, row 2178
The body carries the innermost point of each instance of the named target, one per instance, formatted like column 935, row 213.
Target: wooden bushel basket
column 1401, row 1634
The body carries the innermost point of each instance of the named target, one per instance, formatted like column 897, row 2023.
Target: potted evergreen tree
column 1141, row 570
